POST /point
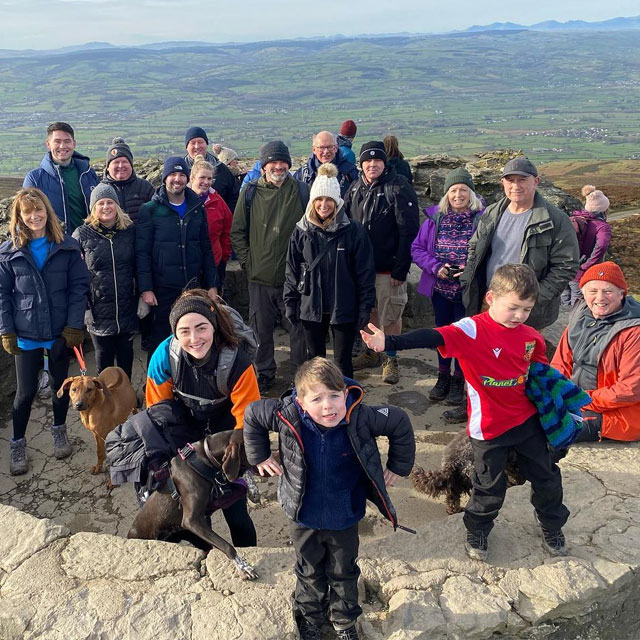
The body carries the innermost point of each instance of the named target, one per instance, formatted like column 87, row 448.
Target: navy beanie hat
column 175, row 164
column 195, row 132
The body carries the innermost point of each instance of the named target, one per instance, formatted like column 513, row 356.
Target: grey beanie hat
column 458, row 176
column 103, row 190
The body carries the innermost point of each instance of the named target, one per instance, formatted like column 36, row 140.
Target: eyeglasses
column 330, row 148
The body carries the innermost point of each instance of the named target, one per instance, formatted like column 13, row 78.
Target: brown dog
column 161, row 516
column 104, row 402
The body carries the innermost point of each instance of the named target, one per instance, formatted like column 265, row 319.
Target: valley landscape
column 559, row 96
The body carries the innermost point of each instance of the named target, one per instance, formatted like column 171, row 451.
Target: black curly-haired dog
column 454, row 476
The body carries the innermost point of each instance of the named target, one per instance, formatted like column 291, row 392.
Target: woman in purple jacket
column 440, row 250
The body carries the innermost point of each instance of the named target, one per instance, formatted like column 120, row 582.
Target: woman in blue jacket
column 43, row 296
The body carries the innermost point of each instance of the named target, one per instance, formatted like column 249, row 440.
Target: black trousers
column 28, row 365
column 243, row 532
column 111, row 349
column 161, row 328
column 343, row 338
column 535, row 463
column 327, row 575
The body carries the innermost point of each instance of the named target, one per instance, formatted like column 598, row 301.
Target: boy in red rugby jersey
column 494, row 349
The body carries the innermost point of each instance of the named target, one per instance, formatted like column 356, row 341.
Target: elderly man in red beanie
column 600, row 351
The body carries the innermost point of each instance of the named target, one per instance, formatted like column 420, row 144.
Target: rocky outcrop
column 90, row 585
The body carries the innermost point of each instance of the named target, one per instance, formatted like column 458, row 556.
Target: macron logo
column 497, row 351
column 384, row 411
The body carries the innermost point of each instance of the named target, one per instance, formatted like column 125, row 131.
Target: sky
column 48, row 24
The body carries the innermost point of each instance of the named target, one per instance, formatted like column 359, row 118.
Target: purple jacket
column 593, row 241
column 423, row 249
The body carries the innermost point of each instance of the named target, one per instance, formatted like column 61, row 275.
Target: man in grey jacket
column 522, row 228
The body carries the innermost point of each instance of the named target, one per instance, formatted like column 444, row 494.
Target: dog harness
column 220, row 485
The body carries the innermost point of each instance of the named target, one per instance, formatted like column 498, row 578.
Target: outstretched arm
column 417, row 339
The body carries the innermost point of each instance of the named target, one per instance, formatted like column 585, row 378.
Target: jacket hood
column 342, row 141
column 47, row 163
column 590, row 215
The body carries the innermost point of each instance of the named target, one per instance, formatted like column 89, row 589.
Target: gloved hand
column 10, row 344
column 72, row 337
column 143, row 308
column 363, row 320
column 292, row 316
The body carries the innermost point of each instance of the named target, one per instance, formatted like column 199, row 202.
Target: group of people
column 325, row 248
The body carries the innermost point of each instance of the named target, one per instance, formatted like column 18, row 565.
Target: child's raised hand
column 269, row 467
column 374, row 340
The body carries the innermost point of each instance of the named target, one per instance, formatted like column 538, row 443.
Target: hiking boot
column 366, row 360
column 18, row 463
column 390, row 371
column 553, row 540
column 309, row 631
column 61, row 446
column 441, row 387
column 265, row 383
column 477, row 545
column 458, row 414
column 456, row 393
column 350, row 633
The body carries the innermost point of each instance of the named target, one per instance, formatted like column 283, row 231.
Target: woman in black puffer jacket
column 107, row 240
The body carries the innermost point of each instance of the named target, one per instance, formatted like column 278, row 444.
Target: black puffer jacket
column 392, row 226
column 173, row 252
column 112, row 269
column 365, row 424
column 344, row 279
column 132, row 193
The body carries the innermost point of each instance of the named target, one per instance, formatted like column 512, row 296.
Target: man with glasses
column 325, row 149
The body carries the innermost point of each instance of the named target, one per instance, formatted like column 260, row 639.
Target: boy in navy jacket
column 329, row 466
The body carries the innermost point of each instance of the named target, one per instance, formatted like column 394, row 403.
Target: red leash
column 80, row 358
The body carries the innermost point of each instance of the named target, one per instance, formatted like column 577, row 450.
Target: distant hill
column 614, row 24
column 556, row 95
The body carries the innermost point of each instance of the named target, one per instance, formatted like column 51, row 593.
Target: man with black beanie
column 119, row 173
column 173, row 249
column 264, row 219
column 387, row 205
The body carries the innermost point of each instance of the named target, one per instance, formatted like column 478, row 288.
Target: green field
column 558, row 96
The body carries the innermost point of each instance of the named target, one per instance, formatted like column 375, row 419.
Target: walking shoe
column 18, row 463
column 265, row 383
column 441, row 387
column 477, row 545
column 366, row 360
column 309, row 631
column 553, row 540
column 390, row 371
column 455, row 415
column 350, row 633
column 456, row 395
column 61, row 446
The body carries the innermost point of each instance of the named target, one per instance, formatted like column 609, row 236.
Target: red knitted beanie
column 607, row 271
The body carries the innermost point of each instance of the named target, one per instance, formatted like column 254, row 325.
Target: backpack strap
column 249, row 193
column 226, row 359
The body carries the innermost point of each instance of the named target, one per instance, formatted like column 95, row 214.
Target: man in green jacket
column 260, row 238
column 523, row 228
